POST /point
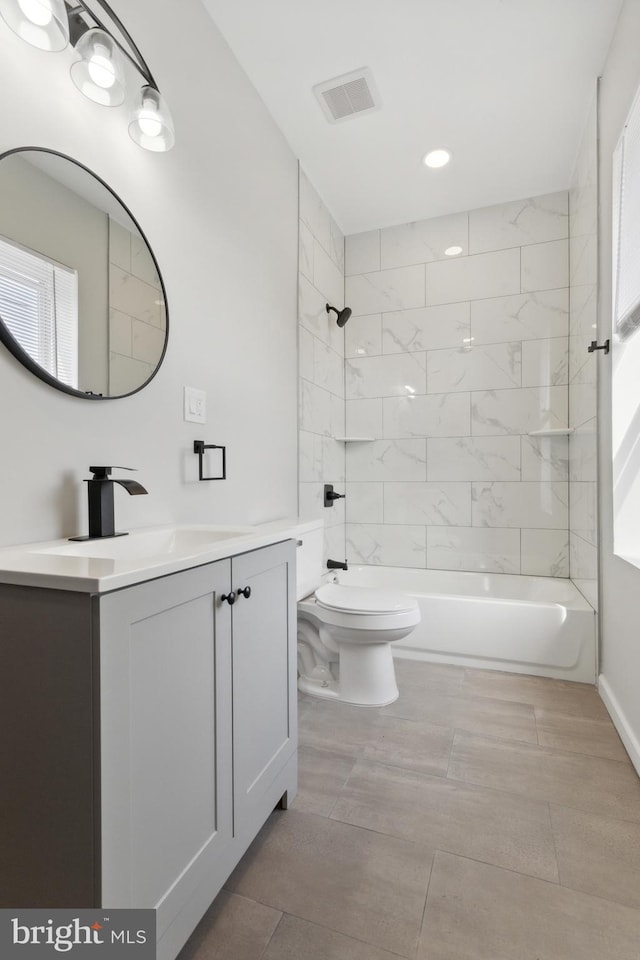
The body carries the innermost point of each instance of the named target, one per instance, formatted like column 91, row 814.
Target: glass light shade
column 151, row 126
column 42, row 23
column 99, row 73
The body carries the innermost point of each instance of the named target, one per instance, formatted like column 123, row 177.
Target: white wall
column 451, row 363
column 220, row 212
column 619, row 581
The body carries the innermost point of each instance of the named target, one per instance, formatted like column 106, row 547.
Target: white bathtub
column 536, row 625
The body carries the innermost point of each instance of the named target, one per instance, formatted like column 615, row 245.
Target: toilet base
column 323, row 689
column 366, row 677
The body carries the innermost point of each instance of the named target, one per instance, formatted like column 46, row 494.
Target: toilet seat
column 360, row 611
column 363, row 600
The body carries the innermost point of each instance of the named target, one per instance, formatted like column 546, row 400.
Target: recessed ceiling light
column 453, row 251
column 437, row 158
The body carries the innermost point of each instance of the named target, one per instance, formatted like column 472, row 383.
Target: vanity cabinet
column 182, row 708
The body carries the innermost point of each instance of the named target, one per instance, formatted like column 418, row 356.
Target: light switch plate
column 195, row 405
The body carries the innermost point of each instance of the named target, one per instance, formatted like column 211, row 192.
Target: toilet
column 345, row 632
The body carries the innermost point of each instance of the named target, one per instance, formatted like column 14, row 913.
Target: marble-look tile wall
column 321, row 367
column 137, row 325
column 452, row 363
column 583, row 366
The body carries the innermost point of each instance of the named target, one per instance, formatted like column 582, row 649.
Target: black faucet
column 336, row 565
column 101, row 514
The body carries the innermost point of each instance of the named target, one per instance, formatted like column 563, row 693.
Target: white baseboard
column 627, row 735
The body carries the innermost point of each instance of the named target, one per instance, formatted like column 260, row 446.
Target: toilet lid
column 336, row 596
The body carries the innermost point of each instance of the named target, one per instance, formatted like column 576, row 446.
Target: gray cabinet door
column 264, row 674
column 165, row 654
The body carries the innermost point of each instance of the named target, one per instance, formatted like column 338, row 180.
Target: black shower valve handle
column 330, row 495
column 594, row 345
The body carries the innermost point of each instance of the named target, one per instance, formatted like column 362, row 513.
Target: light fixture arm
column 132, row 54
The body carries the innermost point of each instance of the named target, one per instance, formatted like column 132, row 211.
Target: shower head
column 341, row 315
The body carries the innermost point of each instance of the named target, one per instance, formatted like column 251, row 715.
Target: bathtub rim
column 573, row 599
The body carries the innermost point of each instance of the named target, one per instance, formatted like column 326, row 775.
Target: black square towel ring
column 199, row 447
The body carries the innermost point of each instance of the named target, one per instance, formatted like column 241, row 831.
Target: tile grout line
column 426, row 899
column 562, row 751
column 323, row 926
column 553, row 840
column 275, row 929
column 342, row 788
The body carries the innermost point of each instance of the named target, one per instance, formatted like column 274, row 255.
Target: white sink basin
column 164, row 543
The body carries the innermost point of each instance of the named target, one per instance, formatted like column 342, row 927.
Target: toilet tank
column 310, row 538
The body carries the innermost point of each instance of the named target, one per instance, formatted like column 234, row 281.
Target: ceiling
column 505, row 85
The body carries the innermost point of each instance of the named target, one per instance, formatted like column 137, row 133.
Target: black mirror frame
column 20, row 354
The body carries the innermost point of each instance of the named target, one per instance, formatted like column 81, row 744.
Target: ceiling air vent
column 346, row 96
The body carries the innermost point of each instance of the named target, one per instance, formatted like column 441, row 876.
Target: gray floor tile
column 297, row 939
column 607, row 787
column 337, row 727
column 462, row 818
column 415, row 676
column 233, row 928
column 495, row 718
column 598, row 855
column 362, row 884
column 597, row 738
column 480, row 912
column 565, row 696
column 349, row 864
column 423, row 747
column 321, row 776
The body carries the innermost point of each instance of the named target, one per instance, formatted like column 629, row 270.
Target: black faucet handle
column 102, row 473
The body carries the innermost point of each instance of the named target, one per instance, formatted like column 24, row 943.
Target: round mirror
column 82, row 303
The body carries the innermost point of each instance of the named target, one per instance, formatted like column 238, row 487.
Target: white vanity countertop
column 97, row 566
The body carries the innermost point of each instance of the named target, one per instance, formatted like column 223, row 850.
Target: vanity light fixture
column 437, row 158
column 99, row 73
column 42, row 23
column 104, row 48
column 151, row 126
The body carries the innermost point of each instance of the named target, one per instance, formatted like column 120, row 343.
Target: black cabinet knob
column 245, row 591
column 229, row 597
